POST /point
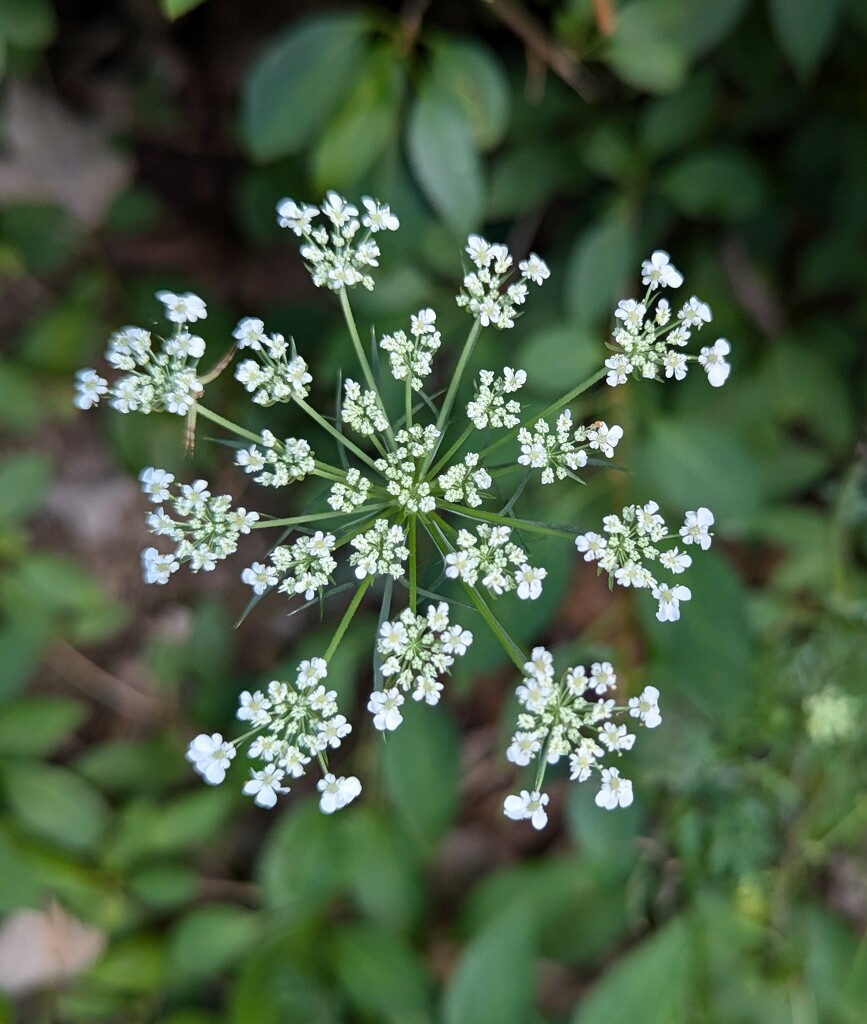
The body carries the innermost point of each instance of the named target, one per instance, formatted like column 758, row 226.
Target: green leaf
column 301, row 865
column 804, row 31
column 34, row 726
column 130, row 766
column 706, row 23
column 493, row 980
column 688, row 463
column 359, row 132
column 472, row 74
column 299, row 79
column 210, row 939
column 135, row 966
column 558, row 353
column 24, row 483
column 719, row 182
column 420, row 765
column 21, row 398
column 382, row 974
column 443, row 157
column 175, row 9
column 21, row 646
column 672, row 122
column 645, row 49
column 56, row 804
column 164, row 885
column 652, row 983
column 600, row 263
column 20, row 885
column 382, row 870
column 30, row 24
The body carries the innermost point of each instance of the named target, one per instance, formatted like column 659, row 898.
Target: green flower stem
column 444, row 461
column 233, row 428
column 347, row 618
column 315, row 517
column 413, row 562
column 437, row 531
column 408, row 400
column 554, row 407
column 362, row 358
column 547, row 529
column 335, row 433
column 451, row 394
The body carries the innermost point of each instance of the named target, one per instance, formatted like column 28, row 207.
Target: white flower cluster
column 649, row 340
column 351, row 493
column 401, row 468
column 463, row 482
column 392, row 493
column 380, row 551
column 303, row 567
column 632, row 539
column 416, row 650
column 277, row 463
column 292, row 724
column 572, row 717
column 361, row 410
column 411, row 357
column 489, row 408
column 561, row 452
column 502, row 565
column 486, row 293
column 206, row 532
column 337, row 257
column 164, row 380
column 278, row 374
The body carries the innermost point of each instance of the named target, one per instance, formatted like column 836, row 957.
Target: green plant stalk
column 451, row 394
column 444, row 461
column 221, row 421
column 516, row 524
column 335, row 433
column 436, row 529
column 362, row 358
column 315, row 517
column 407, row 397
column 413, row 562
column 554, row 407
column 347, row 618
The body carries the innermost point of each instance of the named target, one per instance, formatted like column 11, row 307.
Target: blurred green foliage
column 730, row 132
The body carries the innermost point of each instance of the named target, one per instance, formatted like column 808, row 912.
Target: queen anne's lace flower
column 564, row 717
column 404, row 488
column 648, row 340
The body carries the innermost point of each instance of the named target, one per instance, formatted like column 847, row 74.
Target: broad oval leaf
column 298, row 81
column 443, row 157
column 804, row 30
column 473, row 75
column 361, row 129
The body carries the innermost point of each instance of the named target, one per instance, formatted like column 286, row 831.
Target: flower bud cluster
column 561, row 452
column 361, row 410
column 278, row 374
column 206, row 531
column 649, row 340
column 338, row 257
column 277, row 463
column 164, row 380
column 351, row 493
column 573, row 717
column 415, row 650
column 632, row 539
column 411, row 357
column 292, row 723
column 402, row 468
column 379, row 551
column 464, row 482
column 489, row 408
column 486, row 293
column 502, row 566
column 303, row 567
